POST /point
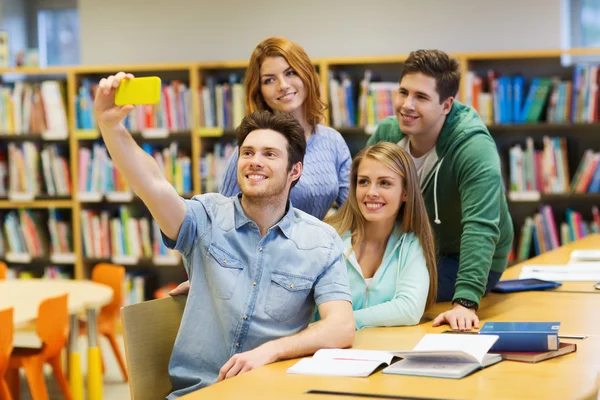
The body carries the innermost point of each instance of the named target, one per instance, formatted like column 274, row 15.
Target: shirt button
column 253, row 283
column 245, row 317
column 224, row 261
column 237, row 345
column 292, row 286
column 260, row 249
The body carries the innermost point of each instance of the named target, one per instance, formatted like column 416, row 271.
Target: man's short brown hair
column 281, row 122
column 438, row 65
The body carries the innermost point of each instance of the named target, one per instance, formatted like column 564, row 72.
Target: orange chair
column 52, row 329
column 3, row 270
column 6, row 347
column 111, row 275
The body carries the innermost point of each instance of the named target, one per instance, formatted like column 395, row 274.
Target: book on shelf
column 34, row 108
column 502, row 99
column 446, row 356
column 545, row 233
column 49, row 272
column 587, row 175
column 544, row 171
column 84, row 105
column 174, row 112
column 213, row 165
column 61, row 238
column 24, row 234
column 99, row 175
column 123, row 238
column 222, row 102
column 20, row 176
column 373, row 102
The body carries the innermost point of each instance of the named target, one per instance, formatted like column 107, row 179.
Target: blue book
column 523, row 336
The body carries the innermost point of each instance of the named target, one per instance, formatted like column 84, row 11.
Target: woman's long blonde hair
column 412, row 213
column 313, row 107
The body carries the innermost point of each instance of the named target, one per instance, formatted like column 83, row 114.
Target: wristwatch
column 466, row 303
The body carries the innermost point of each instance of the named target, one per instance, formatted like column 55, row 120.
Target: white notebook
column 446, row 356
column 342, row 362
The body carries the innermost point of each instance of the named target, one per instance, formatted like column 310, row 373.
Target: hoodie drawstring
column 435, row 203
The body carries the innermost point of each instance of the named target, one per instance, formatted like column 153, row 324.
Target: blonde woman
column 388, row 242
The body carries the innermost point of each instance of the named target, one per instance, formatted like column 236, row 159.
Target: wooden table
column 561, row 256
column 573, row 376
column 25, row 296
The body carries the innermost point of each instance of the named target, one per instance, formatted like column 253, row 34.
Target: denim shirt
column 246, row 290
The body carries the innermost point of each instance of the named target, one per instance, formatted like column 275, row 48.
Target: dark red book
column 537, row 356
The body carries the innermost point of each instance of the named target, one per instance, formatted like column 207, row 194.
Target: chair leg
column 115, row 346
column 102, row 359
column 34, row 372
column 60, row 377
column 4, row 390
column 13, row 383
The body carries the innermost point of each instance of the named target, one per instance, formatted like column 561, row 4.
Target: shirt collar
column 285, row 224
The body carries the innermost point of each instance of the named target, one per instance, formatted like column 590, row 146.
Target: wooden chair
column 6, row 347
column 150, row 329
column 52, row 328
column 108, row 317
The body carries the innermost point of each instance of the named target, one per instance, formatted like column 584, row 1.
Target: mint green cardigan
column 398, row 293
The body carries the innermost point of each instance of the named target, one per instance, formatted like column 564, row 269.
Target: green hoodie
column 464, row 198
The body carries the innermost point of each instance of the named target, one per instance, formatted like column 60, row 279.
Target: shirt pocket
column 287, row 294
column 222, row 271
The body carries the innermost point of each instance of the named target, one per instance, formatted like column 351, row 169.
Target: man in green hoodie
column 459, row 173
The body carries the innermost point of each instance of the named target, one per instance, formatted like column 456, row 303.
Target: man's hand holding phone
column 117, row 95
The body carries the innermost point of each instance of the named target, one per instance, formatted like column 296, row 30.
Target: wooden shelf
column 580, row 136
column 148, row 135
column 560, row 197
column 118, row 198
column 45, row 203
column 36, row 70
column 37, row 261
column 142, row 262
column 31, row 137
column 214, row 132
column 545, row 129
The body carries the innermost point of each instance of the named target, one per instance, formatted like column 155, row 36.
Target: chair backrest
column 6, row 339
column 149, row 330
column 53, row 324
column 3, row 270
column 111, row 275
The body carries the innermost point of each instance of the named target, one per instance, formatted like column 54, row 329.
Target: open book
column 446, row 356
column 342, row 362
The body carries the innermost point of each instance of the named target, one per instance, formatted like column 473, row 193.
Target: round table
column 25, row 296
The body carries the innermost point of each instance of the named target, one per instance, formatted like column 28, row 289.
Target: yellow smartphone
column 144, row 90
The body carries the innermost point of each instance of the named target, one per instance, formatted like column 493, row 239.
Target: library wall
column 12, row 15
column 140, row 31
column 32, row 9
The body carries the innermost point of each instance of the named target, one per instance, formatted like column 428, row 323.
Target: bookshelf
column 201, row 135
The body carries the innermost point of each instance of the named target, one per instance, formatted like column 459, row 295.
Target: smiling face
column 379, row 191
column 281, row 87
column 417, row 105
column 263, row 165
